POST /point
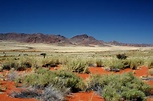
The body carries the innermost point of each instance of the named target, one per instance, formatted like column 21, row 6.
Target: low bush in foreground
column 59, row 79
column 118, row 87
column 47, row 94
column 54, row 85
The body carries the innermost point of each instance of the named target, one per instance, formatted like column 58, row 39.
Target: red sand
column 96, row 70
column 10, row 87
column 85, row 96
column 80, row 96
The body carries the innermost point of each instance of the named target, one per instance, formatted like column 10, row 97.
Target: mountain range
column 78, row 40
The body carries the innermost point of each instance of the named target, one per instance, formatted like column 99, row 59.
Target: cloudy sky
column 129, row 21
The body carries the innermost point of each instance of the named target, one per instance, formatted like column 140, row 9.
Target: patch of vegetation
column 12, row 75
column 27, row 93
column 118, row 87
column 26, row 63
column 70, row 80
column 8, row 64
column 20, row 64
column 47, row 94
column 99, row 63
column 52, row 94
column 50, row 62
column 113, row 65
column 59, row 79
column 117, row 64
column 77, row 65
column 150, row 63
column 150, row 71
column 135, row 63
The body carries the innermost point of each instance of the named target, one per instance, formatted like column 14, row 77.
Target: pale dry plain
column 41, row 47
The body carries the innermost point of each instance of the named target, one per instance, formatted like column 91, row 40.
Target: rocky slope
column 78, row 40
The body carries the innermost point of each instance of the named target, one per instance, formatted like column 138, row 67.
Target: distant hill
column 86, row 40
column 78, row 40
column 35, row 38
column 129, row 44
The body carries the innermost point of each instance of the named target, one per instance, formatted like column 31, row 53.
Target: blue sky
column 129, row 21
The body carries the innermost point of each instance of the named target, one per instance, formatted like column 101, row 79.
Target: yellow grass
column 16, row 46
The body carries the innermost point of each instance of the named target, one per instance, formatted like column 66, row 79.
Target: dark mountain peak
column 86, row 40
column 81, row 36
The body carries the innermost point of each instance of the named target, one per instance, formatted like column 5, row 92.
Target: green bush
column 50, row 62
column 135, row 63
column 115, row 87
column 78, row 66
column 18, row 65
column 49, row 93
column 117, row 64
column 60, row 79
column 114, row 64
column 150, row 63
column 150, row 71
column 70, row 80
column 99, row 63
column 8, row 64
column 26, row 63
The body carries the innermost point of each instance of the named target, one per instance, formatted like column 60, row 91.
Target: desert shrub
column 50, row 62
column 77, row 65
column 49, row 93
column 99, row 63
column 121, row 56
column 19, row 65
column 41, row 78
column 150, row 71
column 8, row 64
column 63, row 60
column 91, row 62
column 27, row 93
column 26, row 64
column 150, row 63
column 12, row 75
column 115, row 87
column 126, row 63
column 52, row 94
column 117, row 64
column 30, row 62
column 135, row 63
column 114, row 64
column 70, row 80
column 60, row 79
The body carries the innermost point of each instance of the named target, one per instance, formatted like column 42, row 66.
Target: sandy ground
column 79, row 96
column 5, row 46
